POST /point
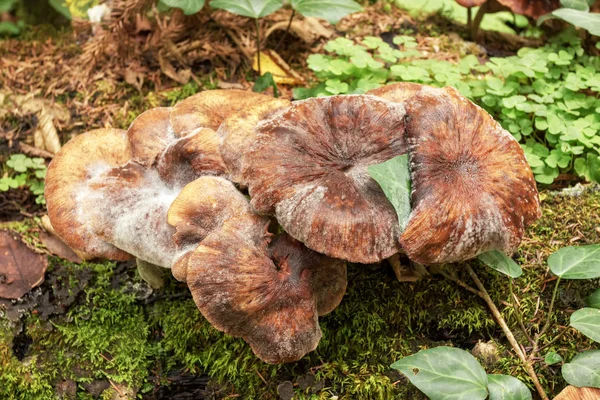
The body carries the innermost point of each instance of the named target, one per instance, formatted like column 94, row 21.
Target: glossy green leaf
column 583, row 370
column 587, row 321
column 188, row 7
column 576, row 262
column 394, row 178
column 552, row 358
column 330, row 10
column 445, row 373
column 593, row 300
column 61, row 7
column 505, row 387
column 580, row 5
column 248, row 8
column 501, row 262
column 7, row 27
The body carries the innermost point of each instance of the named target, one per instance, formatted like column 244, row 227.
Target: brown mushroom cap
column 209, row 108
column 82, row 158
column 190, row 157
column 531, row 8
column 150, row 133
column 268, row 296
column 471, row 3
column 307, row 166
column 473, row 190
column 397, row 92
column 236, row 130
column 127, row 207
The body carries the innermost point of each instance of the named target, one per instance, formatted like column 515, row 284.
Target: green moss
column 112, row 335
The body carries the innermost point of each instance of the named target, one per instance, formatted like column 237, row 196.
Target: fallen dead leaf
column 183, row 76
column 309, row 29
column 45, row 136
column 575, row 393
column 21, row 269
column 58, row 248
column 271, row 62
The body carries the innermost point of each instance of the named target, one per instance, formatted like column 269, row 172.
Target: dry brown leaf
column 58, row 248
column 20, row 268
column 575, row 393
column 271, row 62
column 45, row 136
column 182, row 76
column 134, row 78
column 309, row 29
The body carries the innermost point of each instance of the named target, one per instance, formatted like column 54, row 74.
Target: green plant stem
column 549, row 316
column 287, row 30
column 258, row 46
column 508, row 333
column 556, row 339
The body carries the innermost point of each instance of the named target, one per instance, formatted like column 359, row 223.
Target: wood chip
column 575, row 393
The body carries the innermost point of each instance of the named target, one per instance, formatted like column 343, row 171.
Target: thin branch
column 556, row 339
column 287, row 30
column 508, row 333
column 460, row 283
column 258, row 46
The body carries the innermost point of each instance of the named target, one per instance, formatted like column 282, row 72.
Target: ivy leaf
column 593, row 300
column 576, row 262
column 583, row 370
column 188, row 7
column 587, row 321
column 445, row 373
column 504, row 387
column 330, row 10
column 394, row 178
column 552, row 358
column 501, row 262
column 248, row 8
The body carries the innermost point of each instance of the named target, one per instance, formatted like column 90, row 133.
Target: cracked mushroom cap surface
column 82, row 158
column 307, row 166
column 270, row 295
column 237, row 131
column 209, row 108
column 397, row 92
column 472, row 188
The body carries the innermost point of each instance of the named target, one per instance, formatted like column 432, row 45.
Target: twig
column 556, row 338
column 34, row 151
column 460, row 283
column 508, row 333
column 287, row 30
column 258, row 45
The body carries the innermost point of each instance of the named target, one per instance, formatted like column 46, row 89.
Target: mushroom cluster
column 170, row 191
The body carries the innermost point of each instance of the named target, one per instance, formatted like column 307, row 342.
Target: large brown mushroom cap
column 473, row 190
column 307, row 166
column 209, row 108
column 239, row 129
column 269, row 297
column 82, row 158
column 397, row 92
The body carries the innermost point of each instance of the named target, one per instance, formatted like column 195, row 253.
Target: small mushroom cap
column 272, row 303
column 82, row 158
column 190, row 157
column 150, row 133
column 397, row 92
column 307, row 166
column 209, row 108
column 470, row 3
column 473, row 190
column 202, row 207
column 236, row 130
column 531, row 8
